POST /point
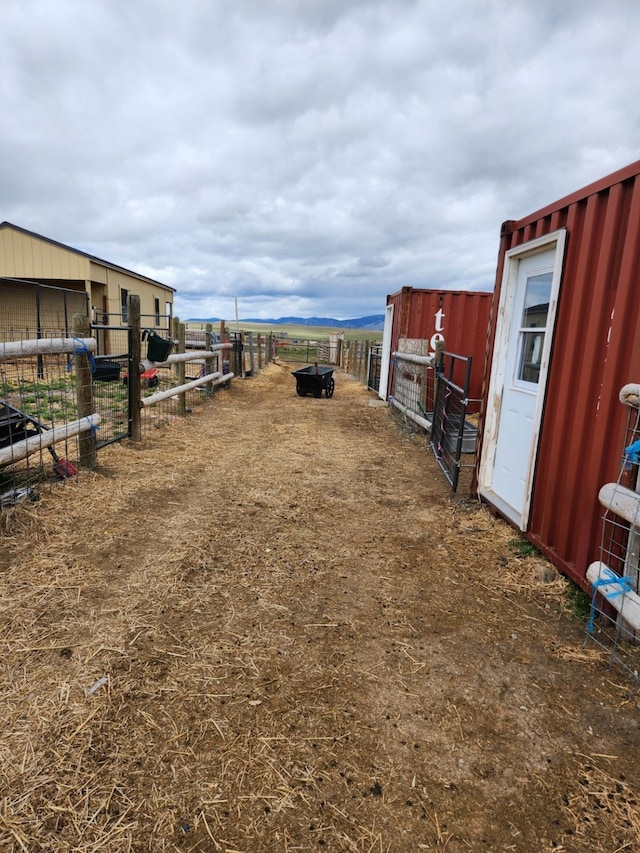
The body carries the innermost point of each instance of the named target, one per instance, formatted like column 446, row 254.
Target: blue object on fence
column 632, row 453
column 93, row 428
column 607, row 577
column 83, row 349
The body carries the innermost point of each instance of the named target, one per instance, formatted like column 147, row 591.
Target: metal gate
column 375, row 367
column 451, row 434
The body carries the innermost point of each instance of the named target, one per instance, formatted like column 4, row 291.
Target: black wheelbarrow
column 314, row 380
column 17, row 426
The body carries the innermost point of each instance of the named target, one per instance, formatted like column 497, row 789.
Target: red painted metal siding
column 596, row 350
column 463, row 321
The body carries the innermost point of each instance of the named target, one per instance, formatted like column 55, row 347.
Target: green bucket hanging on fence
column 158, row 348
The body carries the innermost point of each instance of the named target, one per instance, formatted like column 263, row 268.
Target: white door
column 518, row 377
column 386, row 353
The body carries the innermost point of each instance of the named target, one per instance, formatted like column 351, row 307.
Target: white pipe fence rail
column 215, row 378
column 35, row 443
column 44, row 346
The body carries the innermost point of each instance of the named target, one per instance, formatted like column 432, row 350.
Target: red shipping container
column 585, row 250
column 459, row 317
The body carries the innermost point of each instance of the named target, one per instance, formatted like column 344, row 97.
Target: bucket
column 158, row 348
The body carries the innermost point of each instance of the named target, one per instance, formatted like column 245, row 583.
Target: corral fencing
column 252, row 351
column 31, row 310
column 354, row 358
column 59, row 391
column 413, row 387
column 307, row 351
column 431, row 391
column 375, row 368
column 46, row 412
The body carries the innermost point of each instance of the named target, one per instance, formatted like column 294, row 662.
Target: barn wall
column 596, row 350
column 23, row 255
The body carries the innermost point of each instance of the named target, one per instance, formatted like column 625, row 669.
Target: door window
column 533, row 327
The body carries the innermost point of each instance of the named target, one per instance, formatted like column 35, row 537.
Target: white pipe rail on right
column 429, row 360
column 409, row 413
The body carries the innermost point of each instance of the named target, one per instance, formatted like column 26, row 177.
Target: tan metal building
column 27, row 256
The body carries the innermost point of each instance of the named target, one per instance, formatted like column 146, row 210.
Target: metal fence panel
column 32, row 310
column 452, row 435
column 375, row 367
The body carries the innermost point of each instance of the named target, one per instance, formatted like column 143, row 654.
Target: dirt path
column 309, row 645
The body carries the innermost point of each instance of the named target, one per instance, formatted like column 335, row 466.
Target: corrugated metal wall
column 463, row 319
column 596, row 350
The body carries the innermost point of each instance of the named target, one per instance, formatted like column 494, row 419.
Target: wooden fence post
column 84, row 393
column 259, row 339
column 249, row 339
column 224, row 339
column 133, row 377
column 209, row 362
column 181, row 367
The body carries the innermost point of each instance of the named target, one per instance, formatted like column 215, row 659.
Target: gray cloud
column 307, row 157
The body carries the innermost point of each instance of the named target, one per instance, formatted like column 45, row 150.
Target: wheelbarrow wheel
column 300, row 391
column 330, row 387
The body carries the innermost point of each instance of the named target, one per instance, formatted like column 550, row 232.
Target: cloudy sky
column 307, row 157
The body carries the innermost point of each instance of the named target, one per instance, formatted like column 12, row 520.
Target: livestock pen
column 57, row 391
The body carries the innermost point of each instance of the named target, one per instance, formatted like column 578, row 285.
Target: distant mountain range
column 375, row 322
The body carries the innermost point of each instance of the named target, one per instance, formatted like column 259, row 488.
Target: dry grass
column 231, row 639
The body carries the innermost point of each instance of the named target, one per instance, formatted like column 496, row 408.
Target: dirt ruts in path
column 310, row 644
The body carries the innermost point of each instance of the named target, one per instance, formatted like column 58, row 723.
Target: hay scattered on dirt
column 601, row 802
column 272, row 627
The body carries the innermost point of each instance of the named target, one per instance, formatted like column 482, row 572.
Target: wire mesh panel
column 38, row 393
column 162, row 379
column 111, row 397
column 110, row 379
column 413, row 386
column 614, row 622
column 38, row 390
